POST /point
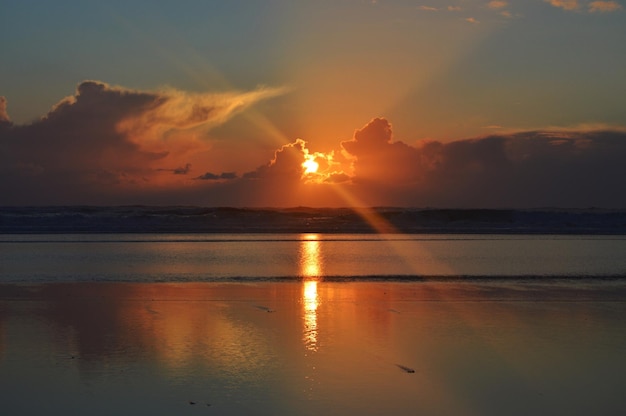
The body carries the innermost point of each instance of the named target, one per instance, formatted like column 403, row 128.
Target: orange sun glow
column 310, row 165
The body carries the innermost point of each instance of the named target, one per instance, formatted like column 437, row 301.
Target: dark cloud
column 214, row 177
column 106, row 145
column 528, row 169
column 105, row 137
column 285, row 166
column 183, row 170
column 378, row 159
column 68, row 149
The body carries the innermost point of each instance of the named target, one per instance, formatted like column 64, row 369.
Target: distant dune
column 176, row 219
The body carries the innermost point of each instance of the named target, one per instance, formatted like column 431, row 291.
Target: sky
column 439, row 103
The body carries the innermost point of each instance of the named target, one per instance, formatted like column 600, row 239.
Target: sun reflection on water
column 310, row 270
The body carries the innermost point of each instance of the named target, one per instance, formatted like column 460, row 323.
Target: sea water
column 241, row 257
column 261, row 324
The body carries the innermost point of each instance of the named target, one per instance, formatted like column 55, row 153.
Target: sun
column 310, row 165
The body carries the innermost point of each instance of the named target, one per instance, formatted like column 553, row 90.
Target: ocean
column 309, row 324
column 278, row 257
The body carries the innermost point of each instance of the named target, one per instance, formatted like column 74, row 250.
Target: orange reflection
column 186, row 329
column 310, row 269
column 310, row 261
column 310, row 314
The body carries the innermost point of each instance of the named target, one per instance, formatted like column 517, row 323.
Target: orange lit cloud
column 599, row 6
column 526, row 169
column 104, row 136
column 108, row 145
column 500, row 6
column 604, row 6
column 290, row 163
column 564, row 4
column 175, row 114
column 497, row 4
column 4, row 116
column 378, row 159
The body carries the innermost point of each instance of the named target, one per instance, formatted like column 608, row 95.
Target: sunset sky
column 456, row 103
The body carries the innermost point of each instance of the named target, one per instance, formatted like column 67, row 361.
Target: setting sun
column 310, row 165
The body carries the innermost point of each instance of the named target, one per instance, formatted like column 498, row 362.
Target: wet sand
column 369, row 348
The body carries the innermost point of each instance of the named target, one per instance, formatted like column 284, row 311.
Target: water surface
column 310, row 324
column 218, row 257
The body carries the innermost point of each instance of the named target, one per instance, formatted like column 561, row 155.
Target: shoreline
column 488, row 290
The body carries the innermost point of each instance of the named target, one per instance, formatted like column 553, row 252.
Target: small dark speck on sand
column 405, row 368
column 190, row 402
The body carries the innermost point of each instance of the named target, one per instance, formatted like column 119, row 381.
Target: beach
column 309, row 347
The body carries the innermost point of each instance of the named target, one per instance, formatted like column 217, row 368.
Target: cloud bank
column 105, row 137
column 525, row 169
column 108, row 145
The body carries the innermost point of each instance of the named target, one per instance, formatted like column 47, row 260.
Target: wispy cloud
column 604, row 6
column 599, row 6
column 472, row 20
column 565, row 4
column 174, row 111
column 497, row 4
column 428, row 8
column 500, row 6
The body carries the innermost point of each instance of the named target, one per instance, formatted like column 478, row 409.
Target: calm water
column 219, row 257
column 265, row 325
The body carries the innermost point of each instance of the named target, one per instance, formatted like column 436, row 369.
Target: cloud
column 4, row 116
column 497, row 4
column 604, row 6
column 208, row 176
column 91, row 148
column 286, row 164
column 338, row 178
column 377, row 158
column 177, row 111
column 472, row 20
column 104, row 135
column 454, row 8
column 525, row 169
column 564, row 4
column 428, row 8
column 182, row 170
